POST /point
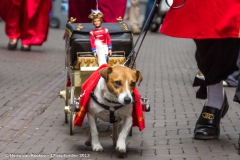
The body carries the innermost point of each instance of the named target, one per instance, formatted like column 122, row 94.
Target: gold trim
column 91, row 61
column 208, row 116
column 119, row 19
column 140, row 118
column 68, row 32
column 116, row 60
column 72, row 20
column 124, row 27
column 82, row 112
column 83, row 61
column 80, row 26
column 93, row 16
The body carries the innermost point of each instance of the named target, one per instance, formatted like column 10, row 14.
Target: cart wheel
column 66, row 105
column 54, row 22
column 67, row 95
column 72, row 118
column 72, row 105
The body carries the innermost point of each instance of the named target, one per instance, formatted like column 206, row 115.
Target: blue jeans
column 149, row 6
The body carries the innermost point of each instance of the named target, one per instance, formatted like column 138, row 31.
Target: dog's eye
column 132, row 84
column 119, row 83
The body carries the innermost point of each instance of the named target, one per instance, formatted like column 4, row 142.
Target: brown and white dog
column 114, row 88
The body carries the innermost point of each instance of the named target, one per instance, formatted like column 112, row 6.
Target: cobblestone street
column 32, row 114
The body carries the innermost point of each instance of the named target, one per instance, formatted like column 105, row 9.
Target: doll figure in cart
column 102, row 35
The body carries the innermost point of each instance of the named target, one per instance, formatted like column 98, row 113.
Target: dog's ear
column 105, row 71
column 139, row 77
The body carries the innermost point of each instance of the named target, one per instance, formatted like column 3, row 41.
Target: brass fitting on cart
column 67, row 109
column 68, row 32
column 62, row 94
column 72, row 20
column 124, row 27
column 119, row 19
column 79, row 26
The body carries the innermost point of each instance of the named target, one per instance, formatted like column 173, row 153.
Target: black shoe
column 25, row 48
column 207, row 126
column 12, row 44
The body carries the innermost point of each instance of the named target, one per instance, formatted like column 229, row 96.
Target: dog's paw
column 121, row 147
column 97, row 148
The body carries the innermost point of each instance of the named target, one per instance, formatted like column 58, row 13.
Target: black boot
column 12, row 44
column 207, row 126
column 25, row 48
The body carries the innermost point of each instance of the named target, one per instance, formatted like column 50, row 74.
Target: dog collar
column 112, row 101
column 112, row 117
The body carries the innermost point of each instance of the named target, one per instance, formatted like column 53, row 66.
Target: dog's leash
column 129, row 61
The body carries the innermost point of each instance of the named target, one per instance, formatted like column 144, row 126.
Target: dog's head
column 121, row 81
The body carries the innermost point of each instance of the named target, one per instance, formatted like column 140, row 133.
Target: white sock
column 215, row 95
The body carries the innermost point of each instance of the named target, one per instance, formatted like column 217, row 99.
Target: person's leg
column 215, row 95
column 112, row 9
column 35, row 22
column 149, row 7
column 128, row 9
column 80, row 9
column 216, row 59
column 13, row 21
column 232, row 80
column 134, row 15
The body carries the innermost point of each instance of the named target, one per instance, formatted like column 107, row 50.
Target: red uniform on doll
column 99, row 33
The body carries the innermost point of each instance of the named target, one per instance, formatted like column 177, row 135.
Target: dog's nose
column 127, row 100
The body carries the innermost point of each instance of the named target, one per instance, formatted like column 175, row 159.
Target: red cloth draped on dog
column 200, row 19
column 87, row 88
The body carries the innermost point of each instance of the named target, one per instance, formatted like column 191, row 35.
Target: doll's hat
column 95, row 14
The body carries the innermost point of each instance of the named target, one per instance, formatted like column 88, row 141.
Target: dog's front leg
column 96, row 146
column 115, row 132
column 121, row 142
column 88, row 142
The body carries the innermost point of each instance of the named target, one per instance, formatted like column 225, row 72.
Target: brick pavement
column 31, row 81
